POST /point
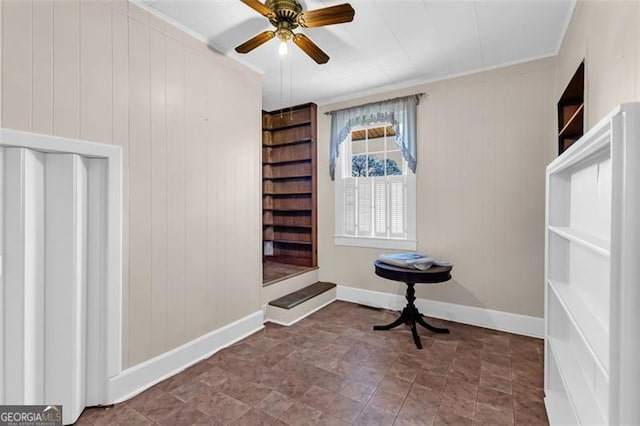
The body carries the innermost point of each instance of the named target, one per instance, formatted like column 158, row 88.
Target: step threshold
column 298, row 297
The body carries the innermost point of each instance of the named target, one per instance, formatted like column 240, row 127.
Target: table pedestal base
column 411, row 316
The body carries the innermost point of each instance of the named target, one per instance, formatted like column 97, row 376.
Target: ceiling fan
column 287, row 15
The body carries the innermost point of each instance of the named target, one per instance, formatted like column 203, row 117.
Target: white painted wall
column 484, row 143
column 188, row 121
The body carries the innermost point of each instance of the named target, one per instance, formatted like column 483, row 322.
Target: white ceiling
column 389, row 44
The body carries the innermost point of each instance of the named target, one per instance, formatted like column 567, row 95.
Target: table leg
column 411, row 316
column 402, row 319
column 428, row 326
column 416, row 337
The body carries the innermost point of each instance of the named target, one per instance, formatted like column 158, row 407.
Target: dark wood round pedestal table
column 410, row 314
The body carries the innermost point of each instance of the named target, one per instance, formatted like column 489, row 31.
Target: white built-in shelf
column 592, row 306
column 560, row 410
column 587, row 324
column 580, row 394
column 591, row 242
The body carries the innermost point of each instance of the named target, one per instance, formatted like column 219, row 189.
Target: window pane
column 358, row 147
column 359, row 165
column 391, row 138
column 376, row 165
column 394, row 163
column 376, row 144
column 391, row 143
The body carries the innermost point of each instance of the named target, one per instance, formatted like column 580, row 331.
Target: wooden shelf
column 276, row 240
column 288, row 193
column 287, row 177
column 286, row 118
column 288, row 226
column 288, row 126
column 290, row 260
column 283, row 144
column 295, row 160
column 574, row 126
column 286, row 210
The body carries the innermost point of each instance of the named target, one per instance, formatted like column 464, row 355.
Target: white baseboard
column 136, row 379
column 488, row 318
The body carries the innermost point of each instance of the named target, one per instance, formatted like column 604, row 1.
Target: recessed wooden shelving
column 571, row 111
column 289, row 185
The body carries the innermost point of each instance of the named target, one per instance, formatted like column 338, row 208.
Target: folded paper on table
column 418, row 261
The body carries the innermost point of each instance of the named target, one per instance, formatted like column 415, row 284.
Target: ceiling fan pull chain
column 281, row 90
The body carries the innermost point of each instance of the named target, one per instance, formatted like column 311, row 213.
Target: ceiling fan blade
column 259, row 7
column 310, row 48
column 256, row 41
column 326, row 16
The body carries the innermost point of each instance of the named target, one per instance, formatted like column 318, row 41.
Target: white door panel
column 54, row 213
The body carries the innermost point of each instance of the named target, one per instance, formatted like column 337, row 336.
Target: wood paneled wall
column 189, row 123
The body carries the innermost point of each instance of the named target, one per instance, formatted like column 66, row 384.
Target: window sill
column 380, row 243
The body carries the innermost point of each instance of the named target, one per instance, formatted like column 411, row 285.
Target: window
column 375, row 191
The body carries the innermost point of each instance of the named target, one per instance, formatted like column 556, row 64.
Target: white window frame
column 343, row 171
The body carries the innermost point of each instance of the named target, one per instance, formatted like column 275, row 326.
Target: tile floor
column 332, row 369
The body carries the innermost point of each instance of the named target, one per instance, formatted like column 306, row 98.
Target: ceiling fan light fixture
column 283, row 49
column 284, row 34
